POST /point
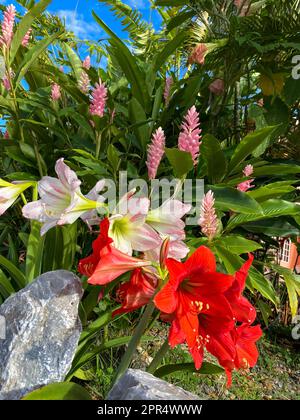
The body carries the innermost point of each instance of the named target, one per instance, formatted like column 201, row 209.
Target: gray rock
column 41, row 334
column 136, row 384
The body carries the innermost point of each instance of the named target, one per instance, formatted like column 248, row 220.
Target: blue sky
column 78, row 15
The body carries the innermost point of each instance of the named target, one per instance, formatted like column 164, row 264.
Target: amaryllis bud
column 248, row 170
column 217, row 87
column 156, row 151
column 84, row 82
column 164, row 252
column 86, row 64
column 26, row 38
column 8, row 25
column 208, row 219
column 189, row 138
column 55, row 92
column 99, row 98
column 167, row 91
column 198, row 54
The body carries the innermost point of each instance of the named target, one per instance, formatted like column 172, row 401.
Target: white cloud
column 76, row 23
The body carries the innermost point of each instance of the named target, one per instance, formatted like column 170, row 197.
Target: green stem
column 158, row 357
column 38, row 158
column 98, row 145
column 134, row 342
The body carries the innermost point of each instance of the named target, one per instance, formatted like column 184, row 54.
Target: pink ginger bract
column 55, row 92
column 8, row 25
column 156, row 151
column 189, row 138
column 84, row 82
column 167, row 91
column 86, row 64
column 99, row 98
column 208, row 219
column 248, row 170
column 26, row 38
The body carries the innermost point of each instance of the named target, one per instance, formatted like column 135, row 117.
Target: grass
column 276, row 375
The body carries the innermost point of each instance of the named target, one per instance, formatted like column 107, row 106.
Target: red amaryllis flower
column 237, row 349
column 112, row 264
column 137, row 292
column 242, row 309
column 88, row 265
column 246, row 350
column 195, row 294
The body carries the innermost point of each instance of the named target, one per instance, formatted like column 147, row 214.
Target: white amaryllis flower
column 128, row 228
column 62, row 201
column 9, row 192
column 177, row 250
column 166, row 219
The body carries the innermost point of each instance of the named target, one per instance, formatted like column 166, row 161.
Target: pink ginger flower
column 84, row 82
column 26, row 38
column 189, row 138
column 246, row 185
column 6, row 83
column 208, row 219
column 6, row 135
column 248, row 170
column 198, row 54
column 86, row 64
column 217, row 87
column 99, row 98
column 156, row 151
column 8, row 25
column 167, row 91
column 55, row 92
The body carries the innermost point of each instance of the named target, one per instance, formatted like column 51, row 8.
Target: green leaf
column 255, row 279
column 34, row 255
column 273, row 227
column 267, row 192
column 17, row 275
column 206, row 369
column 113, row 157
column 86, row 357
column 75, row 61
column 69, row 237
column 6, row 289
column 270, row 208
column 278, row 170
column 237, row 244
column 169, row 49
column 24, row 25
column 214, row 158
column 128, row 64
column 32, row 55
column 291, row 91
column 231, row 199
column 181, row 162
column 292, row 282
column 59, row 391
column 138, row 117
column 248, row 145
column 179, row 19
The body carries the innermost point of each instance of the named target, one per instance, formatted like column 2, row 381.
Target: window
column 285, row 252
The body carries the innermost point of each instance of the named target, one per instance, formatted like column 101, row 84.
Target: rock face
column 136, row 384
column 42, row 330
